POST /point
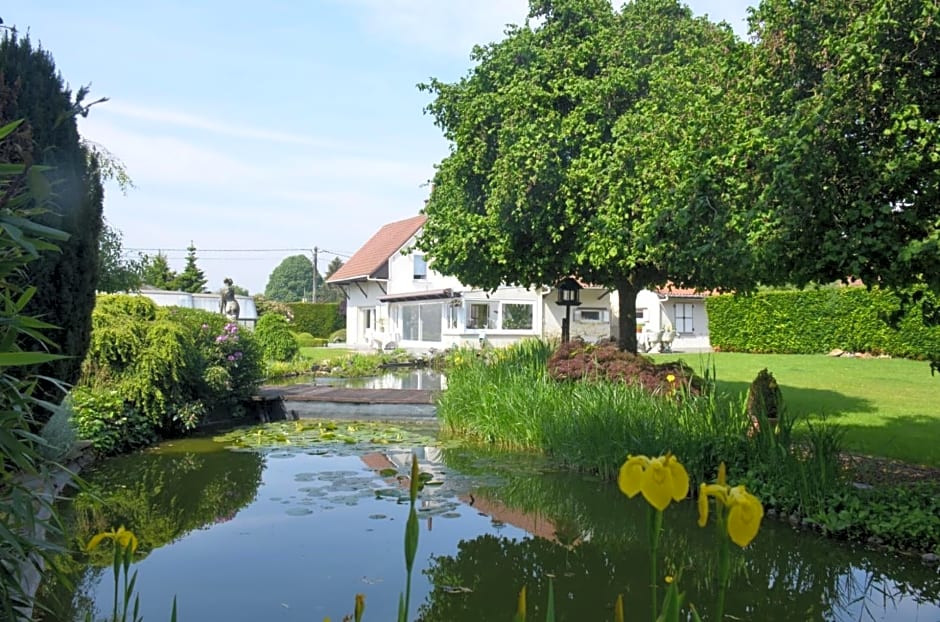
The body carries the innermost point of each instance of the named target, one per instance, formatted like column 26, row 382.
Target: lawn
column 317, row 355
column 887, row 407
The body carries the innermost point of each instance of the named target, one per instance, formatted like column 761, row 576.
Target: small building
column 247, row 314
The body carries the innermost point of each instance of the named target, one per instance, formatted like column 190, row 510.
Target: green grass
column 887, row 407
column 317, row 355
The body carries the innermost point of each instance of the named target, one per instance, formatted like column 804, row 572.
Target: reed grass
column 507, row 399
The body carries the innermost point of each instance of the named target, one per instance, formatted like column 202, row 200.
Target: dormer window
column 421, row 268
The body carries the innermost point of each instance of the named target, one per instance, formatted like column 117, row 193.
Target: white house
column 395, row 298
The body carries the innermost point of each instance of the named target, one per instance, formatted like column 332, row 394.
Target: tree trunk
column 626, row 322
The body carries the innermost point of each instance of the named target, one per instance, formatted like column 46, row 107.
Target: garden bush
column 276, row 340
column 338, row 336
column 819, row 320
column 320, row 319
column 306, row 340
column 112, row 424
column 171, row 365
column 577, row 360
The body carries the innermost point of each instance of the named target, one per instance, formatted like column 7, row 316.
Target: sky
column 260, row 131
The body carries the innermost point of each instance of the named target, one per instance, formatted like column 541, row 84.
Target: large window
column 498, row 315
column 481, row 315
column 421, row 322
column 517, row 316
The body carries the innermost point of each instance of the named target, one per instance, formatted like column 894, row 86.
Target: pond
column 238, row 530
column 428, row 379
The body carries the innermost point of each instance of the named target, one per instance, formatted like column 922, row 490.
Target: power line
column 239, row 250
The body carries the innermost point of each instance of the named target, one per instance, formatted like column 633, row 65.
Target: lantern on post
column 569, row 295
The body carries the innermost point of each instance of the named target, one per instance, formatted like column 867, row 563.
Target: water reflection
column 592, row 542
column 327, row 523
column 427, row 379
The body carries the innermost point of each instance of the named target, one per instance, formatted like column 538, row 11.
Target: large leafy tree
column 191, row 279
column 31, row 89
column 116, row 273
column 155, row 271
column 291, row 280
column 851, row 178
column 591, row 142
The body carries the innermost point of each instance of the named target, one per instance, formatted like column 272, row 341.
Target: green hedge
column 319, row 319
column 819, row 320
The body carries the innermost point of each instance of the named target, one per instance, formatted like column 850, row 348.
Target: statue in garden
column 228, row 305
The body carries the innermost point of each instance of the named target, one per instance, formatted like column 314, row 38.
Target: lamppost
column 569, row 295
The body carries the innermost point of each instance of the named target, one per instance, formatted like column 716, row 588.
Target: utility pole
column 313, row 296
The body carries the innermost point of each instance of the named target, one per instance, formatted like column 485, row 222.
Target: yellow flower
column 744, row 516
column 661, row 480
column 122, row 538
column 670, row 378
column 744, row 509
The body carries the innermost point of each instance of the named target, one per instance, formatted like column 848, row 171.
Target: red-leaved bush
column 579, row 361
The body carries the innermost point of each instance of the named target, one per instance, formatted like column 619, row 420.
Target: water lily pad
column 298, row 511
column 378, row 516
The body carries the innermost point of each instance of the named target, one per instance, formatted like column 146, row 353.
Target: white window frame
column 603, row 315
column 495, row 315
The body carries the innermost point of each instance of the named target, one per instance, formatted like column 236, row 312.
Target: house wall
column 401, row 272
column 361, row 296
column 590, row 330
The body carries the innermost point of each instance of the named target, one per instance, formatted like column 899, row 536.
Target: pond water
column 294, row 532
column 396, row 379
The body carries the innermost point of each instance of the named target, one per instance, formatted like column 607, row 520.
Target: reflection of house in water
column 566, row 534
column 429, row 461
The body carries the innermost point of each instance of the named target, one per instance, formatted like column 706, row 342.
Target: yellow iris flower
column 122, row 537
column 745, row 511
column 661, row 480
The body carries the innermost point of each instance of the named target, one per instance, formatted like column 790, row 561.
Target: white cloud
column 178, row 119
column 446, row 26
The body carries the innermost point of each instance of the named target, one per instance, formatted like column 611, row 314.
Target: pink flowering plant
column 232, row 365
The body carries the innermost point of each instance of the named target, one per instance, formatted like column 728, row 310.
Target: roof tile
column 369, row 260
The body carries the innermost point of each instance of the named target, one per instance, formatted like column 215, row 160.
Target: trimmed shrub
column 338, row 336
column 819, row 320
column 577, row 360
column 319, row 319
column 274, row 335
column 306, row 340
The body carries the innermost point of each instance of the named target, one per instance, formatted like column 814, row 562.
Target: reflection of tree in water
column 160, row 496
column 598, row 549
column 163, row 496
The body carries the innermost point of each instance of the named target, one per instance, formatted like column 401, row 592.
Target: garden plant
column 795, row 465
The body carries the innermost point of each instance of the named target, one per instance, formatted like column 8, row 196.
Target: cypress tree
column 32, row 89
column 191, row 279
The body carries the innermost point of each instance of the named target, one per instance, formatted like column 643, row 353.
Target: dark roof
column 371, row 261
